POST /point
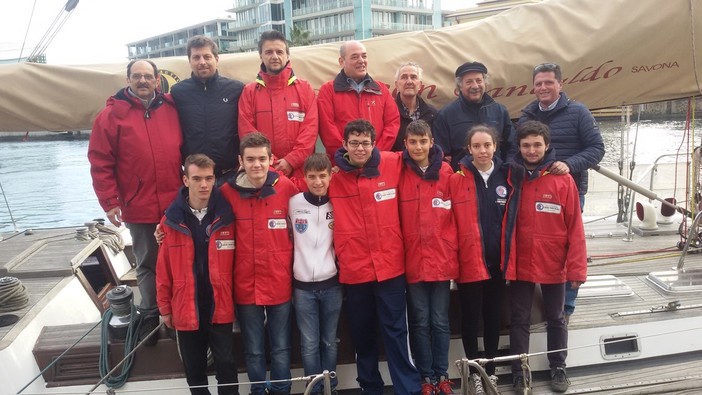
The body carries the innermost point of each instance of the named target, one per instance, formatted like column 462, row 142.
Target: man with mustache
column 280, row 105
column 472, row 107
column 208, row 106
column 352, row 95
column 134, row 155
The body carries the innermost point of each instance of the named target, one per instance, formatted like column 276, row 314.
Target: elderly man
column 134, row 155
column 575, row 136
column 208, row 106
column 408, row 83
column 472, row 107
column 281, row 106
column 353, row 94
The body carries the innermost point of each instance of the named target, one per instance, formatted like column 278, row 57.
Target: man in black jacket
column 472, row 107
column 208, row 107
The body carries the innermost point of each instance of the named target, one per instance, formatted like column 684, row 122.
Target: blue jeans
column 317, row 314
column 277, row 318
column 427, row 308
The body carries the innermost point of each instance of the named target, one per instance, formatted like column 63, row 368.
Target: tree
column 299, row 37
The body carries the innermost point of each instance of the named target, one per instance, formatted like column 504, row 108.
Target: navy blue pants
column 381, row 303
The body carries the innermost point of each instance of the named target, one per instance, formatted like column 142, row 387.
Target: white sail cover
column 611, row 52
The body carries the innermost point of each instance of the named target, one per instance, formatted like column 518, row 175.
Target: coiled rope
column 13, row 294
column 130, row 343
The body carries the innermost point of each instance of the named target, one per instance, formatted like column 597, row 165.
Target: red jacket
column 428, row 226
column 264, row 255
column 176, row 290
column 549, row 244
column 367, row 235
column 283, row 108
column 134, row 156
column 339, row 104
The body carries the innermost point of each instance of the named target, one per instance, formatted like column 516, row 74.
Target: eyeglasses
column 545, row 67
column 137, row 77
column 356, row 144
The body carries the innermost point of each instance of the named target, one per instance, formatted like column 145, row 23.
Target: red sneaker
column 444, row 386
column 428, row 388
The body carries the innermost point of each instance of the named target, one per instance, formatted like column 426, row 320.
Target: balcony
column 326, row 6
column 400, row 27
column 427, row 6
column 241, row 5
column 327, row 30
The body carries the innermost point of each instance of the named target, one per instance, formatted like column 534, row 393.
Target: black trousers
column 193, row 349
column 481, row 298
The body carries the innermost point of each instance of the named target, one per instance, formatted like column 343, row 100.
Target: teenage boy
column 194, row 276
column 549, row 249
column 368, row 245
column 431, row 258
column 317, row 294
column 263, row 270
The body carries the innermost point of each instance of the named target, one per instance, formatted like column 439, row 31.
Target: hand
column 559, row 167
column 447, row 158
column 168, row 320
column 115, row 216
column 283, row 166
column 335, row 169
column 576, row 284
column 159, row 235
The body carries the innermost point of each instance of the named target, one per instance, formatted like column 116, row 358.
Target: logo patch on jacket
column 300, row 211
column 439, row 203
column 501, row 191
column 274, row 223
column 296, row 116
column 301, row 225
column 330, row 215
column 277, row 212
column 550, row 208
column 224, row 244
column 225, row 233
column 387, row 194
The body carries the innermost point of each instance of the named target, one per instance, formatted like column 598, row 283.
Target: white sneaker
column 477, row 382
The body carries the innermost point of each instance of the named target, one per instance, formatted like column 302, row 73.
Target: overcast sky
column 97, row 30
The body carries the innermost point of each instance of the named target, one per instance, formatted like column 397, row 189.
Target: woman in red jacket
column 480, row 194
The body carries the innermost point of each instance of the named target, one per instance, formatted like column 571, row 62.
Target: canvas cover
column 612, row 53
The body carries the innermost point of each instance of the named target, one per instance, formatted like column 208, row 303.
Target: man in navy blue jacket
column 575, row 136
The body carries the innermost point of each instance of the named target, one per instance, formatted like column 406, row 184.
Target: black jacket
column 427, row 112
column 208, row 116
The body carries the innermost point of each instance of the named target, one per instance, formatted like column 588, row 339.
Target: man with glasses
column 208, row 106
column 575, row 137
column 369, row 248
column 353, row 94
column 472, row 107
column 134, row 155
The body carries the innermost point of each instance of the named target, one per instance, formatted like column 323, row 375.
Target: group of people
column 256, row 226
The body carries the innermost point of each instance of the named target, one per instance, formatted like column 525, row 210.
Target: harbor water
column 47, row 183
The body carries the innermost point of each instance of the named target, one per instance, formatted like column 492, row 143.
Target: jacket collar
column 369, row 170
column 122, row 102
column 284, row 78
column 542, row 168
column 266, row 190
column 209, row 82
column 342, row 85
column 436, row 159
column 176, row 212
column 315, row 200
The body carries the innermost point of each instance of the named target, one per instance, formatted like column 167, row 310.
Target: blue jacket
column 208, row 116
column 452, row 123
column 575, row 136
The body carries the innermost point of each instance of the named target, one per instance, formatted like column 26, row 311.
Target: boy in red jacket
column 548, row 249
column 194, row 276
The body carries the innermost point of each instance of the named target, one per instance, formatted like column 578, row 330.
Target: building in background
column 323, row 20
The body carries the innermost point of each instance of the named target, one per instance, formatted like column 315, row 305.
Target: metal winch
column 121, row 301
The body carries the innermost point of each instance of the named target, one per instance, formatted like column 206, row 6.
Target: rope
column 13, row 294
column 130, row 343
column 111, row 238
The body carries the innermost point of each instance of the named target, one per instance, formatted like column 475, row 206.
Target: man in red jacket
column 281, row 106
column 548, row 249
column 368, row 246
column 194, row 276
column 134, row 155
column 263, row 275
column 353, row 94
